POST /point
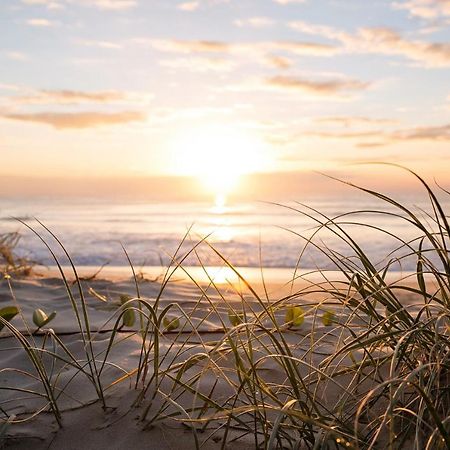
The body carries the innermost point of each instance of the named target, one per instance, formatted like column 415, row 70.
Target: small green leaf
column 421, row 278
column 235, row 318
column 328, row 318
column 128, row 318
column 295, row 316
column 40, row 318
column 7, row 313
column 171, row 324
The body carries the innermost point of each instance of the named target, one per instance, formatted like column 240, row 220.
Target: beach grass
column 339, row 362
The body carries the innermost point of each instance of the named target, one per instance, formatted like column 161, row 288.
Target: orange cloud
column 70, row 97
column 382, row 41
column 425, row 9
column 317, row 86
column 78, row 119
column 41, row 23
column 244, row 48
column 189, row 6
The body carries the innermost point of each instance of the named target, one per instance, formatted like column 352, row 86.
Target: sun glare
column 218, row 156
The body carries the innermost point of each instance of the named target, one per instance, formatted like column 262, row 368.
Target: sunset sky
column 137, row 88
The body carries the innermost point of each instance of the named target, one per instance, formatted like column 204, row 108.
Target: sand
column 85, row 424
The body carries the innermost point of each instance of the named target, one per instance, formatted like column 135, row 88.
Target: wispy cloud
column 279, row 62
column 382, row 41
column 381, row 136
column 184, row 46
column 425, row 9
column 433, row 133
column 189, row 6
column 15, row 55
column 317, row 87
column 42, row 23
column 49, row 4
column 114, row 5
column 9, row 87
column 100, row 44
column 71, row 97
column 352, row 121
column 255, row 22
column 244, row 48
column 194, row 5
column 78, row 119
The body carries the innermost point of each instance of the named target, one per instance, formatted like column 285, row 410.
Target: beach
column 171, row 412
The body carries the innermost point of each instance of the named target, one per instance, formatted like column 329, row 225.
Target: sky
column 218, row 89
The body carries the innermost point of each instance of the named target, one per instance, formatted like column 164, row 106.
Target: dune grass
column 339, row 363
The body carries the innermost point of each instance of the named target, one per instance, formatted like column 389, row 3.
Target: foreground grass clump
column 10, row 262
column 350, row 358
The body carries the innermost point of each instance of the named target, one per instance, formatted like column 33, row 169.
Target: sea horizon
column 246, row 234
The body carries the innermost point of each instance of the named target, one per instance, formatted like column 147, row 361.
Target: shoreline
column 219, row 274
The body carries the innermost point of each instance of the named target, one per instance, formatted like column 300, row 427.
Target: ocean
column 246, row 234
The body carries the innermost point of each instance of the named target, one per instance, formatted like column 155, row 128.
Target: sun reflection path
column 220, row 203
column 222, row 275
column 222, row 229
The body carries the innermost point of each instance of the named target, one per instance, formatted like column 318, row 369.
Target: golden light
column 218, row 156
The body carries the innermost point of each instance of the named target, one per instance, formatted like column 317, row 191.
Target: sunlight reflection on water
column 249, row 234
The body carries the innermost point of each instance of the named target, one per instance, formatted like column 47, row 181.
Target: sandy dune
column 85, row 424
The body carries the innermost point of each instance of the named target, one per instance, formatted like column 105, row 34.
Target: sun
column 219, row 156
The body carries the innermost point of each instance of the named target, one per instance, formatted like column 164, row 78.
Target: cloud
column 343, row 135
column 17, row 56
column 114, row 5
column 182, row 46
column 380, row 137
column 433, row 133
column 425, row 9
column 9, row 87
column 202, row 56
column 49, row 4
column 317, row 87
column 351, row 121
column 382, row 41
column 279, row 62
column 42, row 23
column 71, row 97
column 254, row 22
column 244, row 48
column 188, row 6
column 100, row 44
column 78, row 119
